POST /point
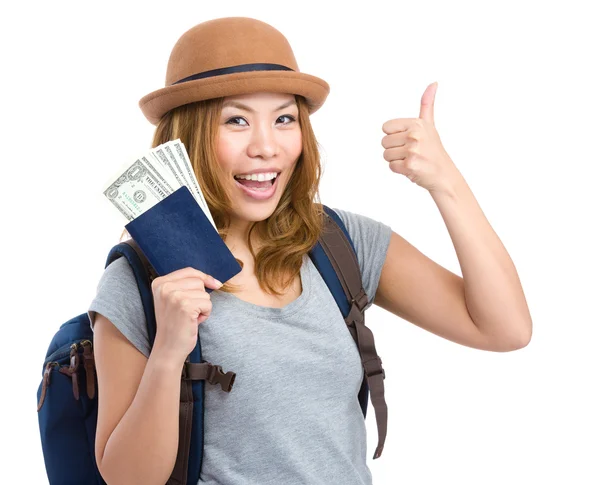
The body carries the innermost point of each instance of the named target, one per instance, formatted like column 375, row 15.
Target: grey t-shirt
column 292, row 415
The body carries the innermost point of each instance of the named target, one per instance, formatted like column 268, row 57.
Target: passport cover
column 175, row 233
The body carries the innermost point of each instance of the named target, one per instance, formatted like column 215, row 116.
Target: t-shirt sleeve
column 371, row 240
column 118, row 299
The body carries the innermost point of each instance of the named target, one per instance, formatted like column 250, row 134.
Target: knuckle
column 166, row 288
column 414, row 135
column 177, row 296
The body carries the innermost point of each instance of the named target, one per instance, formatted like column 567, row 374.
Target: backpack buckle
column 357, row 305
column 361, row 299
column 374, row 369
column 205, row 371
column 217, row 376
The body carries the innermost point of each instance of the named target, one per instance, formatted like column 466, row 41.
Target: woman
column 236, row 100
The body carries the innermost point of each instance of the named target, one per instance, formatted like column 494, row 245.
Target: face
column 258, row 133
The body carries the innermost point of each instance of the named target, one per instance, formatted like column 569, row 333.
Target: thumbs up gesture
column 413, row 148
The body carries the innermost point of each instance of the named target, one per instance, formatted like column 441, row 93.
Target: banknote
column 167, row 183
column 174, row 155
column 136, row 190
column 152, row 177
column 162, row 158
column 182, row 154
column 167, row 158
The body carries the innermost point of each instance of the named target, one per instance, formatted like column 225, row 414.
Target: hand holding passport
column 168, row 216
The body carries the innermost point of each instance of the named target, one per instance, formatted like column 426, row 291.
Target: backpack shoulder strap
column 144, row 274
column 191, row 415
column 334, row 255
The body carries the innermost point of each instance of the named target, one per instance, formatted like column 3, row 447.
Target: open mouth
column 244, row 182
column 258, row 190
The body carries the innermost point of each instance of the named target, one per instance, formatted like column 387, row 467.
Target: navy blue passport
column 175, row 233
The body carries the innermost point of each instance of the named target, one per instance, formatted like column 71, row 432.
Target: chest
column 265, row 340
column 251, row 292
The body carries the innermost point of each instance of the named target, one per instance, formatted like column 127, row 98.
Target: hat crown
column 227, row 42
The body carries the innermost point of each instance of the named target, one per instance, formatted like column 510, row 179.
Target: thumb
column 427, row 100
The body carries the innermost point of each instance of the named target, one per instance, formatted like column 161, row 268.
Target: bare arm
column 485, row 310
column 138, row 409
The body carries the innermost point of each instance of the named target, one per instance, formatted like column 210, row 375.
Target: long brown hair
column 295, row 225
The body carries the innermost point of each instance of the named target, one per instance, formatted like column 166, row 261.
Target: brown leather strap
column 186, row 411
column 90, row 368
column 345, row 264
column 186, row 398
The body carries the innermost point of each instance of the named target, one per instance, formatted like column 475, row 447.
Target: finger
column 397, row 125
column 199, row 306
column 196, row 294
column 396, row 153
column 184, row 284
column 399, row 166
column 187, row 272
column 195, row 283
column 427, row 100
column 395, row 139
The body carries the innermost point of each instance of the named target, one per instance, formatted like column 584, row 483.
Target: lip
column 267, row 194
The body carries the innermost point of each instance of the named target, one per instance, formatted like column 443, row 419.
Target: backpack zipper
column 70, row 370
column 89, row 366
column 46, row 382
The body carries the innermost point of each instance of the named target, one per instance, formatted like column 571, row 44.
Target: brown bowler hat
column 228, row 56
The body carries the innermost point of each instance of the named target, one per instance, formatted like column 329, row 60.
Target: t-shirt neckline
column 274, row 312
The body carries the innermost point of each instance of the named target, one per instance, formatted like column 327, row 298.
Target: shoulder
column 366, row 232
column 117, row 274
column 118, row 299
column 358, row 222
column 371, row 239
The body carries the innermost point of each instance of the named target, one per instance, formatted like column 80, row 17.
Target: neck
column 237, row 237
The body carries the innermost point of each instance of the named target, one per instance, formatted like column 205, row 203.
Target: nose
column 263, row 141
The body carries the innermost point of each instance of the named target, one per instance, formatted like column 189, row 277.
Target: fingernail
column 219, row 284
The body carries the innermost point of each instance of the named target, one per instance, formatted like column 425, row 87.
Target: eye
column 292, row 119
column 230, row 120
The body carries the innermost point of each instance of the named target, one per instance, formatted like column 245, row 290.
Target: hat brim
column 157, row 103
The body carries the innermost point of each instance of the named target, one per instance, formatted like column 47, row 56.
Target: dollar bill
column 161, row 157
column 151, row 178
column 166, row 181
column 174, row 151
column 182, row 154
column 179, row 149
column 167, row 159
column 135, row 191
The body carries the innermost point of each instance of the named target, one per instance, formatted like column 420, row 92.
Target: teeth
column 261, row 177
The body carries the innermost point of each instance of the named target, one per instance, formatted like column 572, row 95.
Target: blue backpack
column 67, row 394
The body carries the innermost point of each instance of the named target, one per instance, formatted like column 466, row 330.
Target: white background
column 516, row 109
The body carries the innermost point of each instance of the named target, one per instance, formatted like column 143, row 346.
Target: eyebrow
column 241, row 106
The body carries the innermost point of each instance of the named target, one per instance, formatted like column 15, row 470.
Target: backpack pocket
column 67, row 414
